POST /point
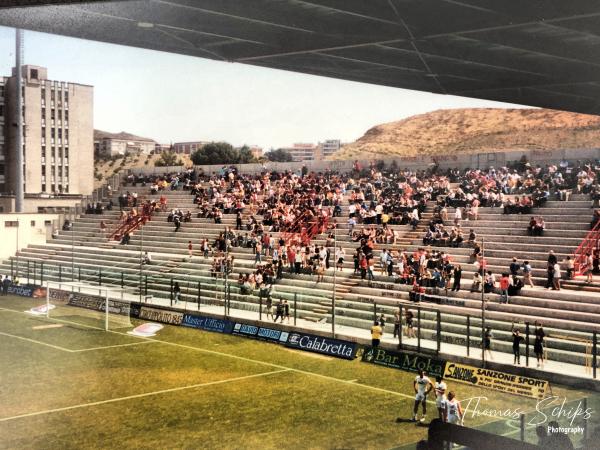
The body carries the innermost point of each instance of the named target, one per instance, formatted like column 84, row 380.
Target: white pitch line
column 145, row 394
column 111, row 346
column 242, row 358
column 37, row 342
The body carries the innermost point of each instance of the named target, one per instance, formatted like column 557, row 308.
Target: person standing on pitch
column 517, row 340
column 422, row 386
column 279, row 309
column 440, row 396
column 376, row 333
column 454, row 412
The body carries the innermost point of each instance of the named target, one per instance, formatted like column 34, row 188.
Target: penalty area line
column 145, row 394
column 111, row 346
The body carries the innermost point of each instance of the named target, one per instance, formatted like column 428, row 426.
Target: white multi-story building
column 302, row 152
column 58, row 157
column 111, row 144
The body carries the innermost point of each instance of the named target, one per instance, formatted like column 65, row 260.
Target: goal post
column 101, row 307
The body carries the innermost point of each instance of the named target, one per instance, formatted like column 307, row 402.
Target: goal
column 100, row 307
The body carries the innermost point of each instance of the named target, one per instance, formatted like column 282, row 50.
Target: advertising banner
column 207, row 323
column 411, row 362
column 323, row 345
column 263, row 333
column 98, row 303
column 499, row 381
column 27, row 290
column 161, row 315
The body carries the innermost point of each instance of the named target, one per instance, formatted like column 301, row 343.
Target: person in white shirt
column 457, row 216
column 454, row 412
column 422, row 386
column 340, row 254
column 556, row 277
column 440, row 396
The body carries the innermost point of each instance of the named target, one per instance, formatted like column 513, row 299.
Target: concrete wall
column 31, row 229
column 480, row 160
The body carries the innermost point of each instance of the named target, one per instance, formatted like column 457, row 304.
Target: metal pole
column 468, row 335
column 48, row 301
column 141, row 256
column 42, row 273
column 12, row 269
column 419, row 329
column 439, row 331
column 594, row 351
column 122, row 280
column 295, row 315
column 199, row 294
column 60, row 273
column 374, row 311
column 17, row 252
column 145, row 287
column 79, row 273
column 334, row 282
column 19, row 194
column 400, row 330
column 171, row 293
column 100, row 277
column 527, row 344
column 72, row 251
column 260, row 307
column 106, row 314
column 482, row 307
column 34, row 271
column 28, row 275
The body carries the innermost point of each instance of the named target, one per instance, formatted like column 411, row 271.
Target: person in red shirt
column 504, row 283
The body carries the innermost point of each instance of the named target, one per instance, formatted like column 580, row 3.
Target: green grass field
column 75, row 386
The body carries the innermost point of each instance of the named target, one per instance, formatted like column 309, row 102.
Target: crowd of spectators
column 377, row 200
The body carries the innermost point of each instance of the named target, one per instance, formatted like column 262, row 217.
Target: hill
column 475, row 130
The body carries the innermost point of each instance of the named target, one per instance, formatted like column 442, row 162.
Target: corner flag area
column 83, row 387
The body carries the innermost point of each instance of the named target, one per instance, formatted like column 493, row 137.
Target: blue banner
column 246, row 330
column 207, row 323
column 323, row 345
column 263, row 333
column 27, row 290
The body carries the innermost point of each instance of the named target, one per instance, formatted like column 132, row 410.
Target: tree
column 168, row 159
column 222, row 153
column 279, row 155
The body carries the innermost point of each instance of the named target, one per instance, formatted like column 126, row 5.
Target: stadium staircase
column 569, row 315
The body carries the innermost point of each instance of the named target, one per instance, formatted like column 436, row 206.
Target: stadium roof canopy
column 535, row 52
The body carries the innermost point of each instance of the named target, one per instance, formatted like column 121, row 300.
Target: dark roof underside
column 535, row 52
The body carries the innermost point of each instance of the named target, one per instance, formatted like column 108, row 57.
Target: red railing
column 304, row 228
column 131, row 223
column 590, row 243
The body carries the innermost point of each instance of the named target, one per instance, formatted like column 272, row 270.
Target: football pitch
column 69, row 384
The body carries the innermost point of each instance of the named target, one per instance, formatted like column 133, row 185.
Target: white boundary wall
column 479, row 160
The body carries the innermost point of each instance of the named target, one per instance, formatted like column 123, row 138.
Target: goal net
column 90, row 306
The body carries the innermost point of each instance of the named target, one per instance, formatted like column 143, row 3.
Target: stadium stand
column 412, row 202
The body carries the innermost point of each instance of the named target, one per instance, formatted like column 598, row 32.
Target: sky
column 175, row 98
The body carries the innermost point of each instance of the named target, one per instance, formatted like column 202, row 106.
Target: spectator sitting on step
column 489, row 282
column 514, row 268
column 536, row 226
column 55, row 233
column 67, row 225
column 147, row 259
column 125, row 239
